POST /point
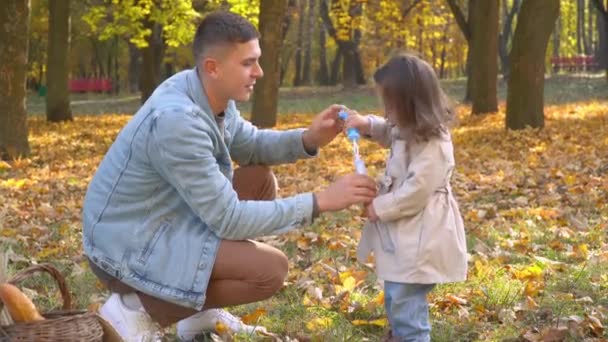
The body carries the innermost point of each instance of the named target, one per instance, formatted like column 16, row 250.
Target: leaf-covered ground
column 535, row 204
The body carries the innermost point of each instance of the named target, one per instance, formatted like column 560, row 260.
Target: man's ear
column 210, row 67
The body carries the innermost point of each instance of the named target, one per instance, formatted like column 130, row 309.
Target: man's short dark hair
column 220, row 28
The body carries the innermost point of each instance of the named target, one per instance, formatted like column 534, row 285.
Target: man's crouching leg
column 255, row 183
column 244, row 272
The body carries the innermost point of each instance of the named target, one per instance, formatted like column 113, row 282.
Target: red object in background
column 86, row 85
column 575, row 63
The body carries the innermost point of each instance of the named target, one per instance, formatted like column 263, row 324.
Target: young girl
column 414, row 226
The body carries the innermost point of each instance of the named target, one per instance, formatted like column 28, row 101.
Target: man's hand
column 346, row 191
column 323, row 129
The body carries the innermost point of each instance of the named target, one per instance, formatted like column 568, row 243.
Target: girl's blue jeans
column 408, row 311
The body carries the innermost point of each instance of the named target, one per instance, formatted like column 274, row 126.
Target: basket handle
column 54, row 272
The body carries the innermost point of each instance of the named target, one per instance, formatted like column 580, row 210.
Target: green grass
column 559, row 89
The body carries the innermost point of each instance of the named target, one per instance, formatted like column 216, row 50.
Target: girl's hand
column 371, row 212
column 360, row 122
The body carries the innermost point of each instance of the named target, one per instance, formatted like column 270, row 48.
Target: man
column 166, row 220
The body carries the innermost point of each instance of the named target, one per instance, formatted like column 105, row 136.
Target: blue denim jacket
column 162, row 197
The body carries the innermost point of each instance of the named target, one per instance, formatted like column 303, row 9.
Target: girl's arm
column 379, row 130
column 427, row 172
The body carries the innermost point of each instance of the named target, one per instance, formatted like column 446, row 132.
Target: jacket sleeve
column 251, row 145
column 380, row 130
column 181, row 150
column 427, row 173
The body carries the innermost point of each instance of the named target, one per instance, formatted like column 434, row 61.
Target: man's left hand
column 323, row 129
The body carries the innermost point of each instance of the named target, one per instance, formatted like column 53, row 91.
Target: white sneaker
column 131, row 325
column 205, row 321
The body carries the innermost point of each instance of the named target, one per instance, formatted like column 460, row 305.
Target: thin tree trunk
column 134, row 67
column 557, row 37
column 116, row 76
column 310, row 29
column 152, row 56
column 297, row 79
column 14, row 33
column 591, row 28
column 602, row 54
column 349, row 74
column 265, row 99
column 323, row 72
column 505, row 37
column 292, row 7
column 335, row 65
column 469, row 91
column 359, row 73
column 465, row 28
column 96, row 62
column 484, row 60
column 284, row 65
column 525, row 103
column 580, row 26
column 420, row 35
column 58, row 95
column 444, row 43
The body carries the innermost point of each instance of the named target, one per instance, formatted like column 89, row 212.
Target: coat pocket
column 386, row 239
column 149, row 246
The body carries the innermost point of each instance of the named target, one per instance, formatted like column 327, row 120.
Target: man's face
column 238, row 70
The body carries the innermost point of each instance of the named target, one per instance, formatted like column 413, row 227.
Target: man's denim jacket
column 162, row 197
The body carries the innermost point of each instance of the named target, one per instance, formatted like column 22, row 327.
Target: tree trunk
column 96, row 63
column 557, row 39
column 484, row 61
column 359, row 73
column 14, row 33
column 116, row 76
column 580, row 24
column 525, row 101
column 505, row 37
column 602, row 55
column 349, row 77
column 285, row 61
column 335, row 65
column 310, row 29
column 58, row 95
column 152, row 57
column 297, row 76
column 444, row 43
column 323, row 72
column 265, row 98
column 469, row 85
column 134, row 67
column 590, row 28
column 292, row 7
column 602, row 25
column 465, row 28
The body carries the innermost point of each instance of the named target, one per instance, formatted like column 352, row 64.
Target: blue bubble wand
column 353, row 135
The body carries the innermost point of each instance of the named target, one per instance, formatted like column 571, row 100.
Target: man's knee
column 255, row 182
column 275, row 273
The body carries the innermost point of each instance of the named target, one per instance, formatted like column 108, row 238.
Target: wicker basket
column 64, row 325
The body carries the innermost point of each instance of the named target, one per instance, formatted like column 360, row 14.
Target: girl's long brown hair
column 410, row 89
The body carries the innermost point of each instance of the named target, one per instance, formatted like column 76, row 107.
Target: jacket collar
column 196, row 91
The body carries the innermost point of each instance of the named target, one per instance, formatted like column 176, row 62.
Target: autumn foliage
column 535, row 204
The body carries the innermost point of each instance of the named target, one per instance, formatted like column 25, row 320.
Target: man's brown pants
column 243, row 272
